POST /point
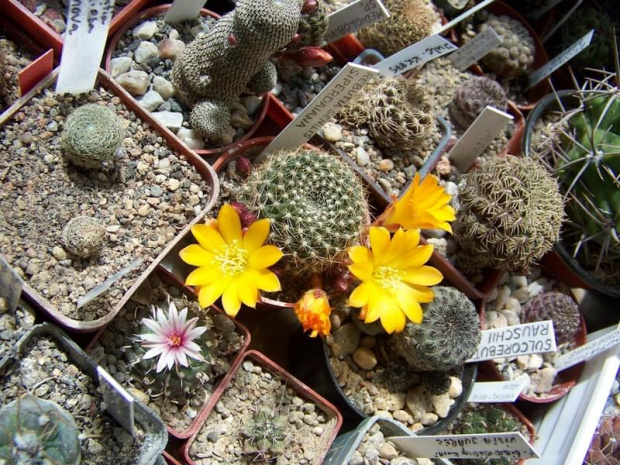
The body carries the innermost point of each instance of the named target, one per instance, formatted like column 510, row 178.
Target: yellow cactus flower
column 313, row 311
column 394, row 280
column 231, row 264
column 425, row 205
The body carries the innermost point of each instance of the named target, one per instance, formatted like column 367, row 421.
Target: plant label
column 104, row 286
column 512, row 446
column 478, row 136
column 10, row 285
column 464, row 15
column 85, row 38
column 560, row 60
column 415, row 55
column 182, row 10
column 588, row 350
column 118, row 402
column 496, row 391
column 528, row 338
column 475, row 49
column 354, row 17
column 320, row 110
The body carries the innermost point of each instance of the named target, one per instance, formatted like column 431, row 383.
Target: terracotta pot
column 301, row 390
column 159, row 11
column 169, row 279
column 205, row 171
column 346, row 48
column 154, row 430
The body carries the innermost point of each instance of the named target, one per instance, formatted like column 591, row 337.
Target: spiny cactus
column 515, row 54
column 91, row 136
column 599, row 54
column 316, row 205
column 396, row 112
column 83, row 236
column 558, row 307
column 448, row 335
column 37, row 431
column 605, row 445
column 410, row 21
column 437, row 382
column 312, row 23
column 220, row 64
column 265, row 435
column 510, row 214
column 471, row 98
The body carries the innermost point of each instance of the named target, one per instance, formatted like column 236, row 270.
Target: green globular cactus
column 396, row 112
column 83, row 236
column 265, row 435
column 35, row 431
column 448, row 335
column 312, row 24
column 515, row 55
column 510, row 214
column 471, row 98
column 410, row 21
column 558, row 307
column 437, row 382
column 91, row 136
column 211, row 119
column 221, row 64
column 316, row 205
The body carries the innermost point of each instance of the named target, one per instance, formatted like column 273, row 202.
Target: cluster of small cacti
column 558, row 307
column 218, row 66
column 316, row 205
column 510, row 214
column 265, row 434
column 83, row 236
column 37, row 431
column 448, row 335
column 396, row 112
column 91, row 136
column 410, row 21
column 471, row 98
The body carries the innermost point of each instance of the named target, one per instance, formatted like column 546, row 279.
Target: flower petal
column 208, row 237
column 267, row 281
column 407, row 302
column 393, row 320
column 362, row 271
column 265, row 257
column 248, row 289
column 360, row 295
column 203, row 276
column 359, row 254
column 229, row 224
column 379, row 241
column 423, row 276
column 230, row 299
column 256, row 235
column 196, row 255
column 211, row 292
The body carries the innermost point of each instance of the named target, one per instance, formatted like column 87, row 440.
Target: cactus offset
column 83, row 236
column 558, row 307
column 36, row 431
column 510, row 214
column 316, row 205
column 312, row 23
column 448, row 335
column 265, row 435
column 471, row 98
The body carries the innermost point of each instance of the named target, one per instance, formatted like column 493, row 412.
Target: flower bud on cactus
column 36, row 431
column 558, row 307
column 472, row 97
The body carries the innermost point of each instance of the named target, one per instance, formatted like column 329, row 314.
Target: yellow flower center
column 386, row 276
column 232, row 259
column 174, row 340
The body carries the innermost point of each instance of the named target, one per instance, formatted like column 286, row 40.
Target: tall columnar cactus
column 37, row 431
column 510, row 214
column 316, row 205
column 448, row 335
column 396, row 112
column 220, row 65
column 471, row 98
column 558, row 307
column 312, row 23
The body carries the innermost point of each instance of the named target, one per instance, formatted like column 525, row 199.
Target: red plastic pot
column 159, row 11
column 291, row 382
column 200, row 165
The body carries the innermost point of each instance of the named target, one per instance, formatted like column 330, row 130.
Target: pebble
column 151, row 100
column 145, row 51
column 442, row 404
column 145, row 30
column 345, row 340
column 542, row 381
column 456, row 387
column 386, row 165
column 120, row 65
column 535, row 362
column 173, row 184
column 170, row 48
column 362, row 156
column 144, row 210
column 332, row 132
column 170, row 119
column 59, row 253
column 402, row 416
column 365, row 358
column 163, row 87
column 251, row 103
column 511, row 317
column 388, row 451
column 134, row 82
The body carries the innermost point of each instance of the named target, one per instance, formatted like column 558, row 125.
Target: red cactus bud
column 340, row 283
column 309, row 7
column 246, row 217
column 232, row 40
column 310, row 56
column 243, row 166
column 294, row 41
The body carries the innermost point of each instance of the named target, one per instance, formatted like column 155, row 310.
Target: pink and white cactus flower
column 171, row 338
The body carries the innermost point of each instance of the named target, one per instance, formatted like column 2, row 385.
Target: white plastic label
column 118, row 402
column 84, row 41
column 496, row 391
column 415, row 55
column 10, row 284
column 475, row 49
column 528, row 338
column 588, row 350
column 512, row 446
column 464, row 15
column 319, row 111
column 182, row 10
column 354, row 17
column 478, row 136
column 541, row 73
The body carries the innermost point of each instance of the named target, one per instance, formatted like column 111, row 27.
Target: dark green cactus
column 316, row 205
column 448, row 335
column 599, row 54
column 510, row 214
column 471, row 98
column 265, row 435
column 37, row 432
column 312, row 23
column 558, row 307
